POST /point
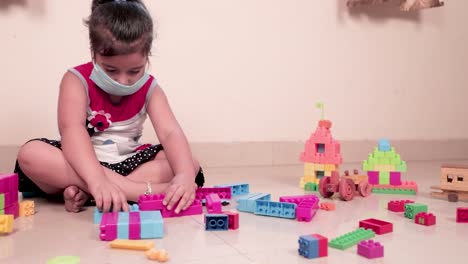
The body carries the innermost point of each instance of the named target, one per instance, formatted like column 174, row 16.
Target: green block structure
column 352, row 238
column 310, row 186
column 384, row 177
column 412, row 209
column 393, row 191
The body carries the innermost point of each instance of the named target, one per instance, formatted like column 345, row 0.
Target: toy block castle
column 321, row 155
column 384, row 168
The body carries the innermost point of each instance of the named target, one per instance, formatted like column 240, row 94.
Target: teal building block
column 152, row 225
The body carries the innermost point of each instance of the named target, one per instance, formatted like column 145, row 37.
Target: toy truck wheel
column 323, row 187
column 364, row 188
column 347, row 189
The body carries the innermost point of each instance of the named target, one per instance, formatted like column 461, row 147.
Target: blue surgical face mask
column 106, row 83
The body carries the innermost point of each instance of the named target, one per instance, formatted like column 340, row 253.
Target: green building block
column 310, row 186
column 2, row 212
column 384, row 177
column 393, row 191
column 412, row 209
column 378, row 154
column 385, row 160
column 64, row 260
column 401, row 167
column 2, row 201
column 352, row 238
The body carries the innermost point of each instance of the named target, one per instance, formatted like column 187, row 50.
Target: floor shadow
column 35, row 7
column 5, row 4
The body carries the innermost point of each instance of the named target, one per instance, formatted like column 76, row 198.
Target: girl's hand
column 108, row 195
column 182, row 190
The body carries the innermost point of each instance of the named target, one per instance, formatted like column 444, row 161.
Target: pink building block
column 424, row 218
column 8, row 183
column 378, row 226
column 395, row 178
column 298, row 199
column 222, row 192
column 194, row 209
column 322, row 135
column 13, row 209
column 322, row 246
column 134, row 227
column 462, row 215
column 10, row 198
column 370, row 249
column 213, row 203
column 306, row 210
column 108, row 226
column 373, row 177
column 151, row 202
column 397, row 205
column 233, row 218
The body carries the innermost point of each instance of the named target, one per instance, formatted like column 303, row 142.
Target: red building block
column 424, row 218
column 233, row 218
column 462, row 215
column 397, row 205
column 323, row 245
column 378, row 226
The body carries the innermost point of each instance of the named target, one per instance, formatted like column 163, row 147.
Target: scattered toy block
column 397, row 205
column 236, row 188
column 370, row 249
column 412, row 209
column 6, row 224
column 247, row 203
column 233, row 218
column 216, row 222
column 222, row 192
column 276, row 209
column 122, row 225
column 132, row 244
column 195, row 209
column 298, row 199
column 311, row 187
column 26, row 208
column 213, row 203
column 327, row 206
column 306, row 210
column 313, row 246
column 352, row 238
column 462, row 215
column 378, row 226
column 408, row 188
column 424, row 218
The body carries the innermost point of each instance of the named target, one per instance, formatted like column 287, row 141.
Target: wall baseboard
column 241, row 154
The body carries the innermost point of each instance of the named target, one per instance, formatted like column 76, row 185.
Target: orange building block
column 26, row 208
column 327, row 206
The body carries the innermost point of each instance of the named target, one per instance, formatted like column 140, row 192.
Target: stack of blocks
column 412, row 209
column 321, row 156
column 307, row 206
column 313, row 246
column 131, row 225
column 9, row 195
column 223, row 221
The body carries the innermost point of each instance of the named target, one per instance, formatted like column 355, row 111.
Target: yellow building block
column 302, row 183
column 328, row 173
column 309, row 178
column 6, row 224
column 309, row 166
column 330, row 167
column 132, row 244
column 26, row 208
column 319, row 167
column 309, row 173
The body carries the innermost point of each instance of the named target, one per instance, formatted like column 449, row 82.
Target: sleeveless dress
column 114, row 129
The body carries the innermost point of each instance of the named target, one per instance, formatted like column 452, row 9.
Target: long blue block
column 247, row 203
column 276, row 209
column 152, row 225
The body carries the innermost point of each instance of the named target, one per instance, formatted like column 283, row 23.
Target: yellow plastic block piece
column 330, row 167
column 132, row 244
column 26, row 208
column 328, row 173
column 309, row 178
column 319, row 167
column 302, row 183
column 309, row 166
column 6, row 224
column 159, row 255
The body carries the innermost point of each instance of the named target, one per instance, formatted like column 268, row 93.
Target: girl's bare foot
column 74, row 198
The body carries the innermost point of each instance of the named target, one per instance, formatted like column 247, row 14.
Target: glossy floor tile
column 53, row 232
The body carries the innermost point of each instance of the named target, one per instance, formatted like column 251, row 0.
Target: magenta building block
column 151, row 202
column 397, row 205
column 10, row 198
column 213, row 203
column 222, row 192
column 373, row 177
column 134, row 227
column 108, row 226
column 13, row 209
column 298, row 199
column 462, row 215
column 395, row 178
column 370, row 249
column 306, row 210
column 8, row 183
column 194, row 209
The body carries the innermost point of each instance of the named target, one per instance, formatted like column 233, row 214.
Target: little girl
column 101, row 110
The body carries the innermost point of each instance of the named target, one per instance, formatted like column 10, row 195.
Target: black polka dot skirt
column 123, row 168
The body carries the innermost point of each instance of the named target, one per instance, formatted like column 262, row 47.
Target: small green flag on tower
column 320, row 105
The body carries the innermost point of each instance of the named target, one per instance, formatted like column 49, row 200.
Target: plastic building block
column 247, row 203
column 395, row 178
column 213, row 203
column 462, row 215
column 378, row 226
column 306, row 210
column 236, row 188
column 222, row 192
column 6, row 224
column 151, row 202
column 311, row 187
column 12, row 210
column 134, row 224
column 370, row 249
column 194, row 209
column 397, row 205
column 352, row 238
column 123, row 226
column 132, row 244
column 384, row 145
column 313, row 246
column 64, row 260
column 409, row 188
column 8, row 183
column 108, row 226
column 9, row 198
column 98, row 215
column 233, row 218
column 152, row 225
column 2, row 201
column 277, row 209
column 159, row 255
column 424, row 218
column 412, row 209
column 120, row 225
column 373, row 177
column 216, row 222
column 26, row 208
column 327, row 206
column 321, row 148
column 298, row 199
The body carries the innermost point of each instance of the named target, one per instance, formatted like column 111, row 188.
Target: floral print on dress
column 99, row 121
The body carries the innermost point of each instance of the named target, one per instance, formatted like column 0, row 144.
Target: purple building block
column 298, row 199
column 395, row 178
column 151, row 202
column 373, row 177
column 108, row 226
column 213, row 203
column 8, row 183
column 370, row 249
column 134, row 231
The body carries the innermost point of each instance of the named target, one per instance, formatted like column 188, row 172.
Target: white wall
column 251, row 70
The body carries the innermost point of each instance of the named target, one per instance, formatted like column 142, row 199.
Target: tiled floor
column 53, row 232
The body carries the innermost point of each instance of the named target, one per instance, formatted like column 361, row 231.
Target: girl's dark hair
column 118, row 27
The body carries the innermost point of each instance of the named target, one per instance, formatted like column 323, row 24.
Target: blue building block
column 308, row 246
column 152, row 225
column 247, row 203
column 236, row 188
column 98, row 215
column 216, row 222
column 384, row 145
column 122, row 225
column 277, row 209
